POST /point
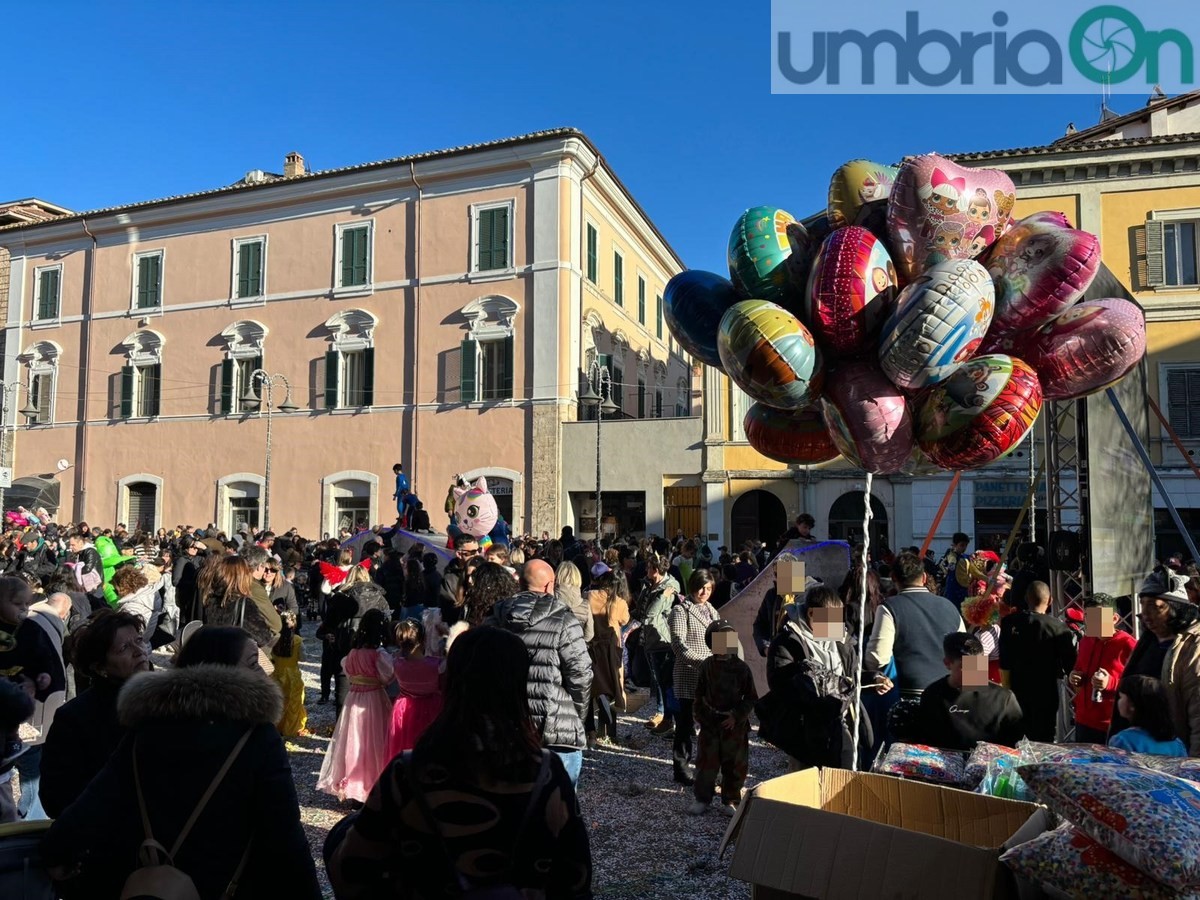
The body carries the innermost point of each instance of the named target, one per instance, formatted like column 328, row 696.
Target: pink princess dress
column 358, row 751
column 419, row 703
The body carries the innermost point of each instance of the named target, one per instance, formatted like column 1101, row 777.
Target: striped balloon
column 850, row 290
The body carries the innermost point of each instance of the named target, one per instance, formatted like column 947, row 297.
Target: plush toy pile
column 913, row 327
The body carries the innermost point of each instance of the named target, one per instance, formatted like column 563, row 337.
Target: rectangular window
column 41, row 396
column 496, row 369
column 618, row 381
column 355, row 248
column 619, row 279
column 357, row 378
column 658, row 316
column 593, row 254
column 492, row 239
column 141, row 390
column 148, row 275
column 249, row 274
column 641, row 300
column 1181, row 252
column 1183, row 400
column 243, row 369
column 49, row 288
column 641, row 399
column 658, row 405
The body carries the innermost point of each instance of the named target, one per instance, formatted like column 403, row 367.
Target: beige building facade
column 437, row 310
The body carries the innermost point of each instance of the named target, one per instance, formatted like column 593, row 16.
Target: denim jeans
column 29, row 767
column 660, row 662
column 572, row 761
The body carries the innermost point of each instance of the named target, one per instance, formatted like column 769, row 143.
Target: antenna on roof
column 1157, row 95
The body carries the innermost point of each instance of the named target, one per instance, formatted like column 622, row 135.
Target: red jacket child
column 1104, row 649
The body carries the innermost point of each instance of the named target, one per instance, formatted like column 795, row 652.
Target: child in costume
column 286, row 656
column 419, row 679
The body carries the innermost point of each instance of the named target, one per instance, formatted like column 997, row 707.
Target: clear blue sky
column 112, row 102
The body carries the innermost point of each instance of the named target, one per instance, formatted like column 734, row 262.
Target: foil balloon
column 940, row 320
column 770, row 355
column 475, row 509
column 1040, row 267
column 1092, row 346
column 796, row 438
column 939, row 210
column 805, row 240
column 980, row 413
column 919, row 465
column 868, row 418
column 854, row 185
column 758, row 254
column 850, row 290
column 693, row 304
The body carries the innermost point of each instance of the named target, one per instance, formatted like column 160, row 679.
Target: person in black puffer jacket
column 560, row 671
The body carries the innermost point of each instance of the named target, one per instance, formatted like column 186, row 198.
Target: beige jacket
column 1181, row 677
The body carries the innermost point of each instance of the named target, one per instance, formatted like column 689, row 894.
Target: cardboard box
column 789, row 577
column 830, row 834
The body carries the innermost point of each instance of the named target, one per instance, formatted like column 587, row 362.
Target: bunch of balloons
column 914, row 327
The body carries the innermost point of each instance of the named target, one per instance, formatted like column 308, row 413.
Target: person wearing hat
column 1169, row 650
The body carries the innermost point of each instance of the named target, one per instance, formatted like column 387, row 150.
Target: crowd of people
column 480, row 682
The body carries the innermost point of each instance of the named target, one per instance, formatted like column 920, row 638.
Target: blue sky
column 117, row 102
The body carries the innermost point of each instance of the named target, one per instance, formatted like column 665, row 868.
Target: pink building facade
column 429, row 310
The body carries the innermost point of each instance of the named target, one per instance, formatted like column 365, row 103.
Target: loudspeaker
column 1064, row 551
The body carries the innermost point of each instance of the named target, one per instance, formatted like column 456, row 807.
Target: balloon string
column 862, row 618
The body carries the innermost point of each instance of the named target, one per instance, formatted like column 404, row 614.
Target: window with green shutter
column 641, row 300
column 493, row 239
column 658, row 316
column 496, row 369
column 618, row 381
column 49, row 290
column 641, row 399
column 149, row 281
column 333, row 364
column 468, row 366
column 250, row 269
column 356, row 256
column 148, row 390
column 619, row 279
column 593, row 254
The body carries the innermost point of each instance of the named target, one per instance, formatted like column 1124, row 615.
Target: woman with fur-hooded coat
column 184, row 723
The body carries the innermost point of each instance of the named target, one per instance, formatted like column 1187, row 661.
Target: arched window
column 42, row 362
column 683, row 399
column 350, row 360
column 243, row 354
column 141, row 376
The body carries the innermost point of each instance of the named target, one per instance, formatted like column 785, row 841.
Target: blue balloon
column 693, row 303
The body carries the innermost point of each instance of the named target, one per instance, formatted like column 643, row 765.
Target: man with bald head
column 560, row 669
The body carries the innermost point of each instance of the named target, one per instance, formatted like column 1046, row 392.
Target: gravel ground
column 644, row 845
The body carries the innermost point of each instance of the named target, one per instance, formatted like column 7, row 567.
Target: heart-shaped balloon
column 796, row 438
column 758, row 254
column 769, row 354
column 868, row 419
column 855, row 184
column 939, row 210
column 980, row 413
column 850, row 290
column 939, row 321
column 1040, row 267
column 693, row 303
column 1090, row 347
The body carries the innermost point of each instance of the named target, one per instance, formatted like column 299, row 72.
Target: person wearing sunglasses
column 281, row 591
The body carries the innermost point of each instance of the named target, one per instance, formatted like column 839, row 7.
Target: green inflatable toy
column 110, row 558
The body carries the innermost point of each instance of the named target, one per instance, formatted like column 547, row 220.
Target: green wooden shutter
column 153, row 389
column 658, row 404
column 618, row 376
column 493, row 239
column 485, row 241
column 126, row 391
column 149, row 277
column 368, row 391
column 332, row 363
column 250, row 269
column 619, row 279
column 593, row 263
column 506, row 374
column 355, row 256
column 467, row 371
column 658, row 316
column 226, row 386
column 48, row 294
column 642, row 301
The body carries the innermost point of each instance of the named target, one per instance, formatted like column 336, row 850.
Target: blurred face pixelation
column 828, row 624
column 1099, row 622
column 725, row 643
column 974, row 671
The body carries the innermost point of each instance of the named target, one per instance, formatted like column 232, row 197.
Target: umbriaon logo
column 1107, row 44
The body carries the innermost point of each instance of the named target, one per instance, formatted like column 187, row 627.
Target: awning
column 31, row 492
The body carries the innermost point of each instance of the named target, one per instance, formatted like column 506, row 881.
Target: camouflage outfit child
column 725, row 697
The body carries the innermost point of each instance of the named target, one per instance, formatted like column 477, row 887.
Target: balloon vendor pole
column 1174, row 436
column 937, row 520
column 1033, row 477
column 862, row 618
column 1154, row 476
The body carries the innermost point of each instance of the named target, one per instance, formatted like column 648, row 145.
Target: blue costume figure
column 401, row 489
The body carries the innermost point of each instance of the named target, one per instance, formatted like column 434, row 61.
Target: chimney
column 293, row 165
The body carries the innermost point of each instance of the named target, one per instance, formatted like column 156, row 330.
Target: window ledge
column 348, row 410
column 356, row 290
column 242, row 302
column 38, row 324
column 1175, row 288
column 492, row 275
column 137, row 312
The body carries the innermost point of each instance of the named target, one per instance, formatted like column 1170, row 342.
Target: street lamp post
column 29, row 411
column 251, row 402
column 598, row 395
